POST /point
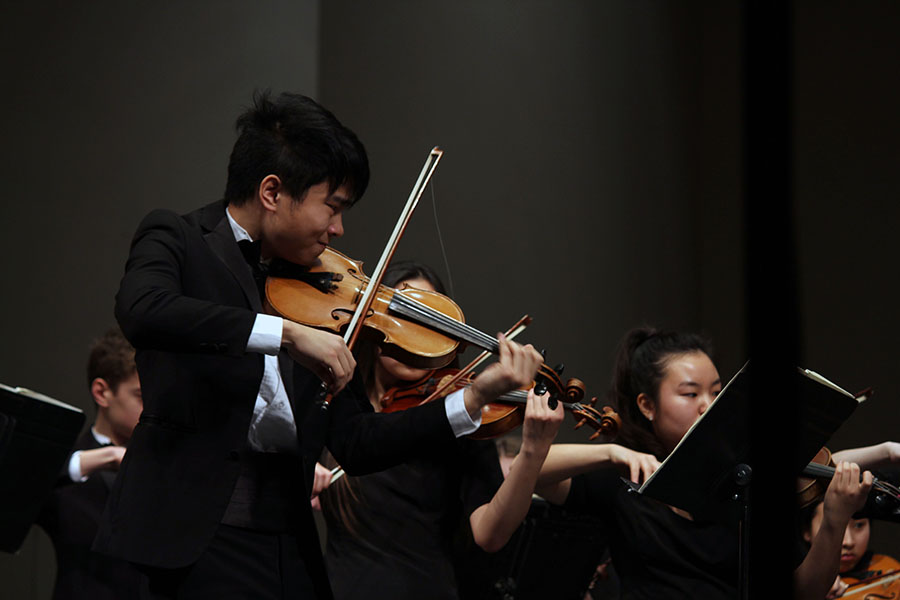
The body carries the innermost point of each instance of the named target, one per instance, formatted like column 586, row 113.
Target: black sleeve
column 481, row 476
column 363, row 441
column 151, row 306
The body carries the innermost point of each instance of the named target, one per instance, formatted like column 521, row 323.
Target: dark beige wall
column 848, row 183
column 111, row 109
column 565, row 191
column 592, row 175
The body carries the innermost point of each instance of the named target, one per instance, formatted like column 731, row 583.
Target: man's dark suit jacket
column 71, row 517
column 187, row 302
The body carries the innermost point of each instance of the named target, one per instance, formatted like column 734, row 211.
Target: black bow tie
column 251, row 250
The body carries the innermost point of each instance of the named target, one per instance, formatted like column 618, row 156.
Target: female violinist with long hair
column 663, row 382
column 391, row 533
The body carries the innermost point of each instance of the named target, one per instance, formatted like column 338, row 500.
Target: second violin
column 505, row 413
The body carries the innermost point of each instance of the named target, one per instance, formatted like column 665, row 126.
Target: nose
column 705, row 401
column 848, row 538
column 336, row 227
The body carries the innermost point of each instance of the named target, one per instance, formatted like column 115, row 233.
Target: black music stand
column 709, row 473
column 36, row 436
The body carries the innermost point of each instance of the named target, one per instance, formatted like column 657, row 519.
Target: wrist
column 534, row 450
column 833, row 524
column 289, row 330
column 891, row 451
column 474, row 400
column 603, row 455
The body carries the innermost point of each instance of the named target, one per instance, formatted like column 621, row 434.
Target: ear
column 101, row 392
column 268, row 190
column 807, row 535
column 646, row 406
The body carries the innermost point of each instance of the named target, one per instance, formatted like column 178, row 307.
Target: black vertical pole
column 773, row 330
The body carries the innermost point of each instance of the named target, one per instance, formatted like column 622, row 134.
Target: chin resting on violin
column 377, row 523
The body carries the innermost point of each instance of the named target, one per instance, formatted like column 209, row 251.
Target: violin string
column 437, row 226
column 427, row 315
column 461, row 330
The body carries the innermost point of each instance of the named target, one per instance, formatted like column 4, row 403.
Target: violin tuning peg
column 594, row 436
column 580, row 424
column 593, row 401
column 559, row 368
column 543, row 353
column 540, row 389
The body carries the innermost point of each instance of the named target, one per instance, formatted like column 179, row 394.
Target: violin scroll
column 605, row 421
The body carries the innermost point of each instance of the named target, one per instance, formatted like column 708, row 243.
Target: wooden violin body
column 810, row 489
column 882, row 580
column 415, row 342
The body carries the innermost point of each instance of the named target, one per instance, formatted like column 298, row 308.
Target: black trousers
column 238, row 564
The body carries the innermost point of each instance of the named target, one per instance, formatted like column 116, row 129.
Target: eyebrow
column 342, row 201
column 690, row 383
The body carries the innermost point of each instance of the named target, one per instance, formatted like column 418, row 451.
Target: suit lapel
column 220, row 238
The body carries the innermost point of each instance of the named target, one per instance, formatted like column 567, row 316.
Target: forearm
column 815, row 575
column 567, row 460
column 871, row 457
column 495, row 522
column 107, row 457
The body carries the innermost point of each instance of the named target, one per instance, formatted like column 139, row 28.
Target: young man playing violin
column 213, row 495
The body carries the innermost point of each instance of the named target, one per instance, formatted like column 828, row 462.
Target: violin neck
column 521, row 397
column 818, row 471
column 427, row 316
column 826, row 472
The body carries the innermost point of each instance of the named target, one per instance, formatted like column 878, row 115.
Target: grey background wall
column 591, row 175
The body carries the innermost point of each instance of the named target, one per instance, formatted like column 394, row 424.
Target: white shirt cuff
column 75, row 467
column 265, row 337
column 460, row 421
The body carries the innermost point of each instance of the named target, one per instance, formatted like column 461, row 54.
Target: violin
column 422, row 329
column 822, row 468
column 881, row 579
column 505, row 413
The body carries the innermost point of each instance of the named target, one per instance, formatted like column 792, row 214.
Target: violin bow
column 353, row 329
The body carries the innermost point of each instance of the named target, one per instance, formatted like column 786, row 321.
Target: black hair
column 111, row 358
column 298, row 140
column 639, row 369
